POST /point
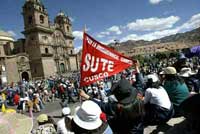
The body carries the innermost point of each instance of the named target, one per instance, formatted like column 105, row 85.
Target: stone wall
column 49, row 67
column 12, row 70
column 73, row 63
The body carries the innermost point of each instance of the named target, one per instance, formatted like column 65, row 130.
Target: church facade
column 48, row 48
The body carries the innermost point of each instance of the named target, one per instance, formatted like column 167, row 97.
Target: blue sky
column 107, row 20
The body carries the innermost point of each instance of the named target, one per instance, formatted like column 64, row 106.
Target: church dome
column 5, row 36
column 34, row 1
column 61, row 13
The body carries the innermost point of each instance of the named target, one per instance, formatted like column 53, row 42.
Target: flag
column 100, row 61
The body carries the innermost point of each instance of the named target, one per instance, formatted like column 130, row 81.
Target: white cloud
column 151, row 36
column 152, row 24
column 114, row 29
column 103, row 34
column 72, row 19
column 108, row 42
column 194, row 22
column 12, row 33
column 78, row 35
column 129, row 37
column 100, row 36
column 77, row 49
column 155, row 2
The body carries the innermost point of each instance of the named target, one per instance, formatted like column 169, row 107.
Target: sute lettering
column 92, row 64
column 89, row 40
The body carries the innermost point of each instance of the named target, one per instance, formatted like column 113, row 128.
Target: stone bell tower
column 63, row 23
column 38, row 33
column 35, row 15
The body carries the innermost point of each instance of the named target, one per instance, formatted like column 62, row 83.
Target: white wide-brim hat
column 87, row 116
column 186, row 72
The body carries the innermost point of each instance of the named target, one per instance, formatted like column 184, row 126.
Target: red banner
column 100, row 61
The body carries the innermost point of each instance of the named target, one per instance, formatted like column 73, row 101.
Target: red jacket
column 16, row 99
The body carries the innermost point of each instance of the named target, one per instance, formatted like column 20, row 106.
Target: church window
column 46, row 50
column 44, row 37
column 62, row 67
column 22, row 59
column 67, row 28
column 59, row 22
column 32, row 38
column 30, row 20
column 35, row 70
column 71, row 51
column 41, row 19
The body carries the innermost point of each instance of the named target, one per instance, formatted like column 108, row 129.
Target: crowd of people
column 33, row 95
column 121, row 104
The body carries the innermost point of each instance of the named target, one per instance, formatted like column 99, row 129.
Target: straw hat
column 42, row 118
column 169, row 70
column 15, row 123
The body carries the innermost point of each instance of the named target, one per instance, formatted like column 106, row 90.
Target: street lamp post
column 116, row 44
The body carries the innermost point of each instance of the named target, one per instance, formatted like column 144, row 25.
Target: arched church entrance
column 62, row 67
column 25, row 76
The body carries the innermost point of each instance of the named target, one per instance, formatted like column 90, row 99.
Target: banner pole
column 84, row 29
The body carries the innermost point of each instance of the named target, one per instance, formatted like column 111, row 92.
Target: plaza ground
column 54, row 109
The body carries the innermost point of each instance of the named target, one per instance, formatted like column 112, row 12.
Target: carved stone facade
column 47, row 50
column 53, row 44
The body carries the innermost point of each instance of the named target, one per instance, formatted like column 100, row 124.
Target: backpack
column 132, row 111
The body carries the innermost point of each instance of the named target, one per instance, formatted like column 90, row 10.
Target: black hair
column 172, row 77
column 78, row 130
column 151, row 84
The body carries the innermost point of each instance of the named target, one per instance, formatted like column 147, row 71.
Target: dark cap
column 124, row 92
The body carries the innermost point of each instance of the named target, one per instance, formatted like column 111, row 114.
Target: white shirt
column 61, row 127
column 158, row 97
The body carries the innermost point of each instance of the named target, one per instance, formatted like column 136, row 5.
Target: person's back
column 45, row 125
column 124, row 116
column 177, row 91
column 47, row 128
column 158, row 108
column 159, row 97
column 127, row 118
column 63, row 125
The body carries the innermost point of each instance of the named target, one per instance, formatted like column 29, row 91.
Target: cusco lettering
column 96, row 77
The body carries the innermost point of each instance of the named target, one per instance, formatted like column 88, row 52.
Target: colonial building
column 48, row 48
column 158, row 48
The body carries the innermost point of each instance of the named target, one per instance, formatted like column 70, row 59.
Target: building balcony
column 46, row 55
column 56, row 57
